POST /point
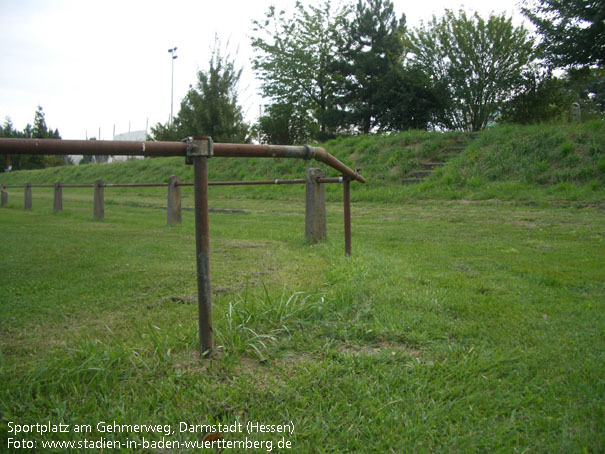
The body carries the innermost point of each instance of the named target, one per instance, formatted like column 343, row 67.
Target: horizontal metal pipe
column 31, row 186
column 211, row 183
column 125, row 148
column 246, row 183
column 265, row 182
column 135, row 185
column 325, row 157
column 91, row 147
column 285, row 151
column 330, row 180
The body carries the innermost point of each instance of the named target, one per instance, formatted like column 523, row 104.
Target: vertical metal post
column 202, row 243
column 58, row 199
column 28, row 196
column 347, row 213
column 4, row 196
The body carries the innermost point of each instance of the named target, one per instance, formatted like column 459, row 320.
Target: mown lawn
column 456, row 326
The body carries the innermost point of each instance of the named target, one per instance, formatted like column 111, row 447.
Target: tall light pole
column 172, row 52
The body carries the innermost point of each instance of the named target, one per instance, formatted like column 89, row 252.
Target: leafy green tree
column 543, row 98
column 573, row 31
column 286, row 124
column 546, row 97
column 294, row 60
column 371, row 54
column 589, row 86
column 408, row 99
column 210, row 108
column 478, row 63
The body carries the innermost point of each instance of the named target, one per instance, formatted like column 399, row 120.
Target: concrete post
column 28, row 196
column 58, row 201
column 4, row 197
column 99, row 201
column 173, row 208
column 315, row 211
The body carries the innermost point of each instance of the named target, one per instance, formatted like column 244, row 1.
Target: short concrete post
column 28, row 196
column 4, row 196
column 315, row 212
column 173, row 208
column 99, row 201
column 58, row 201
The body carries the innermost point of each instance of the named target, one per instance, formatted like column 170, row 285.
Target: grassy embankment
column 455, row 326
column 528, row 164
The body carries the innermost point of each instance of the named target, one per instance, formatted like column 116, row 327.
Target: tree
column 588, row 85
column 211, row 108
column 286, row 124
column 38, row 131
column 573, row 31
column 294, row 60
column 546, row 97
column 41, row 131
column 543, row 98
column 408, row 99
column 8, row 131
column 371, row 56
column 478, row 63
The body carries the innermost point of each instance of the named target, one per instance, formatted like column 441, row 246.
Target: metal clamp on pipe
column 198, row 147
column 308, row 153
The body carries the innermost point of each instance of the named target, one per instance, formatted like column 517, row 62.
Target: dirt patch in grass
column 525, row 222
column 242, row 244
column 376, row 349
column 191, row 298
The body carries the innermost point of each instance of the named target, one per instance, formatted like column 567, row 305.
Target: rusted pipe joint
column 198, row 147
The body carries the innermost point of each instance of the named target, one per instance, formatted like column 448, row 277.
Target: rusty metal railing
column 197, row 151
column 163, row 185
column 123, row 148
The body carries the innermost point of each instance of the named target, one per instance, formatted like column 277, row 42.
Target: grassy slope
column 526, row 163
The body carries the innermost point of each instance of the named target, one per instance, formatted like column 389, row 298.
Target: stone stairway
column 426, row 168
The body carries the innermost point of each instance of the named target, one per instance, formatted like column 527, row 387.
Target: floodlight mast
column 172, row 52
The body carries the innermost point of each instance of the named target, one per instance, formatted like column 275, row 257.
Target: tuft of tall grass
column 255, row 323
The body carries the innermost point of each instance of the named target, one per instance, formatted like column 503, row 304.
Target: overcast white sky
column 98, row 64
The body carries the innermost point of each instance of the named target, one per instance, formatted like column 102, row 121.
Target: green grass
column 456, row 326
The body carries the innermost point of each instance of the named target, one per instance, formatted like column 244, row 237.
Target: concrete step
column 432, row 165
column 411, row 180
column 455, row 149
column 420, row 173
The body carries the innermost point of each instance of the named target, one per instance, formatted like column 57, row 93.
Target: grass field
column 456, row 326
